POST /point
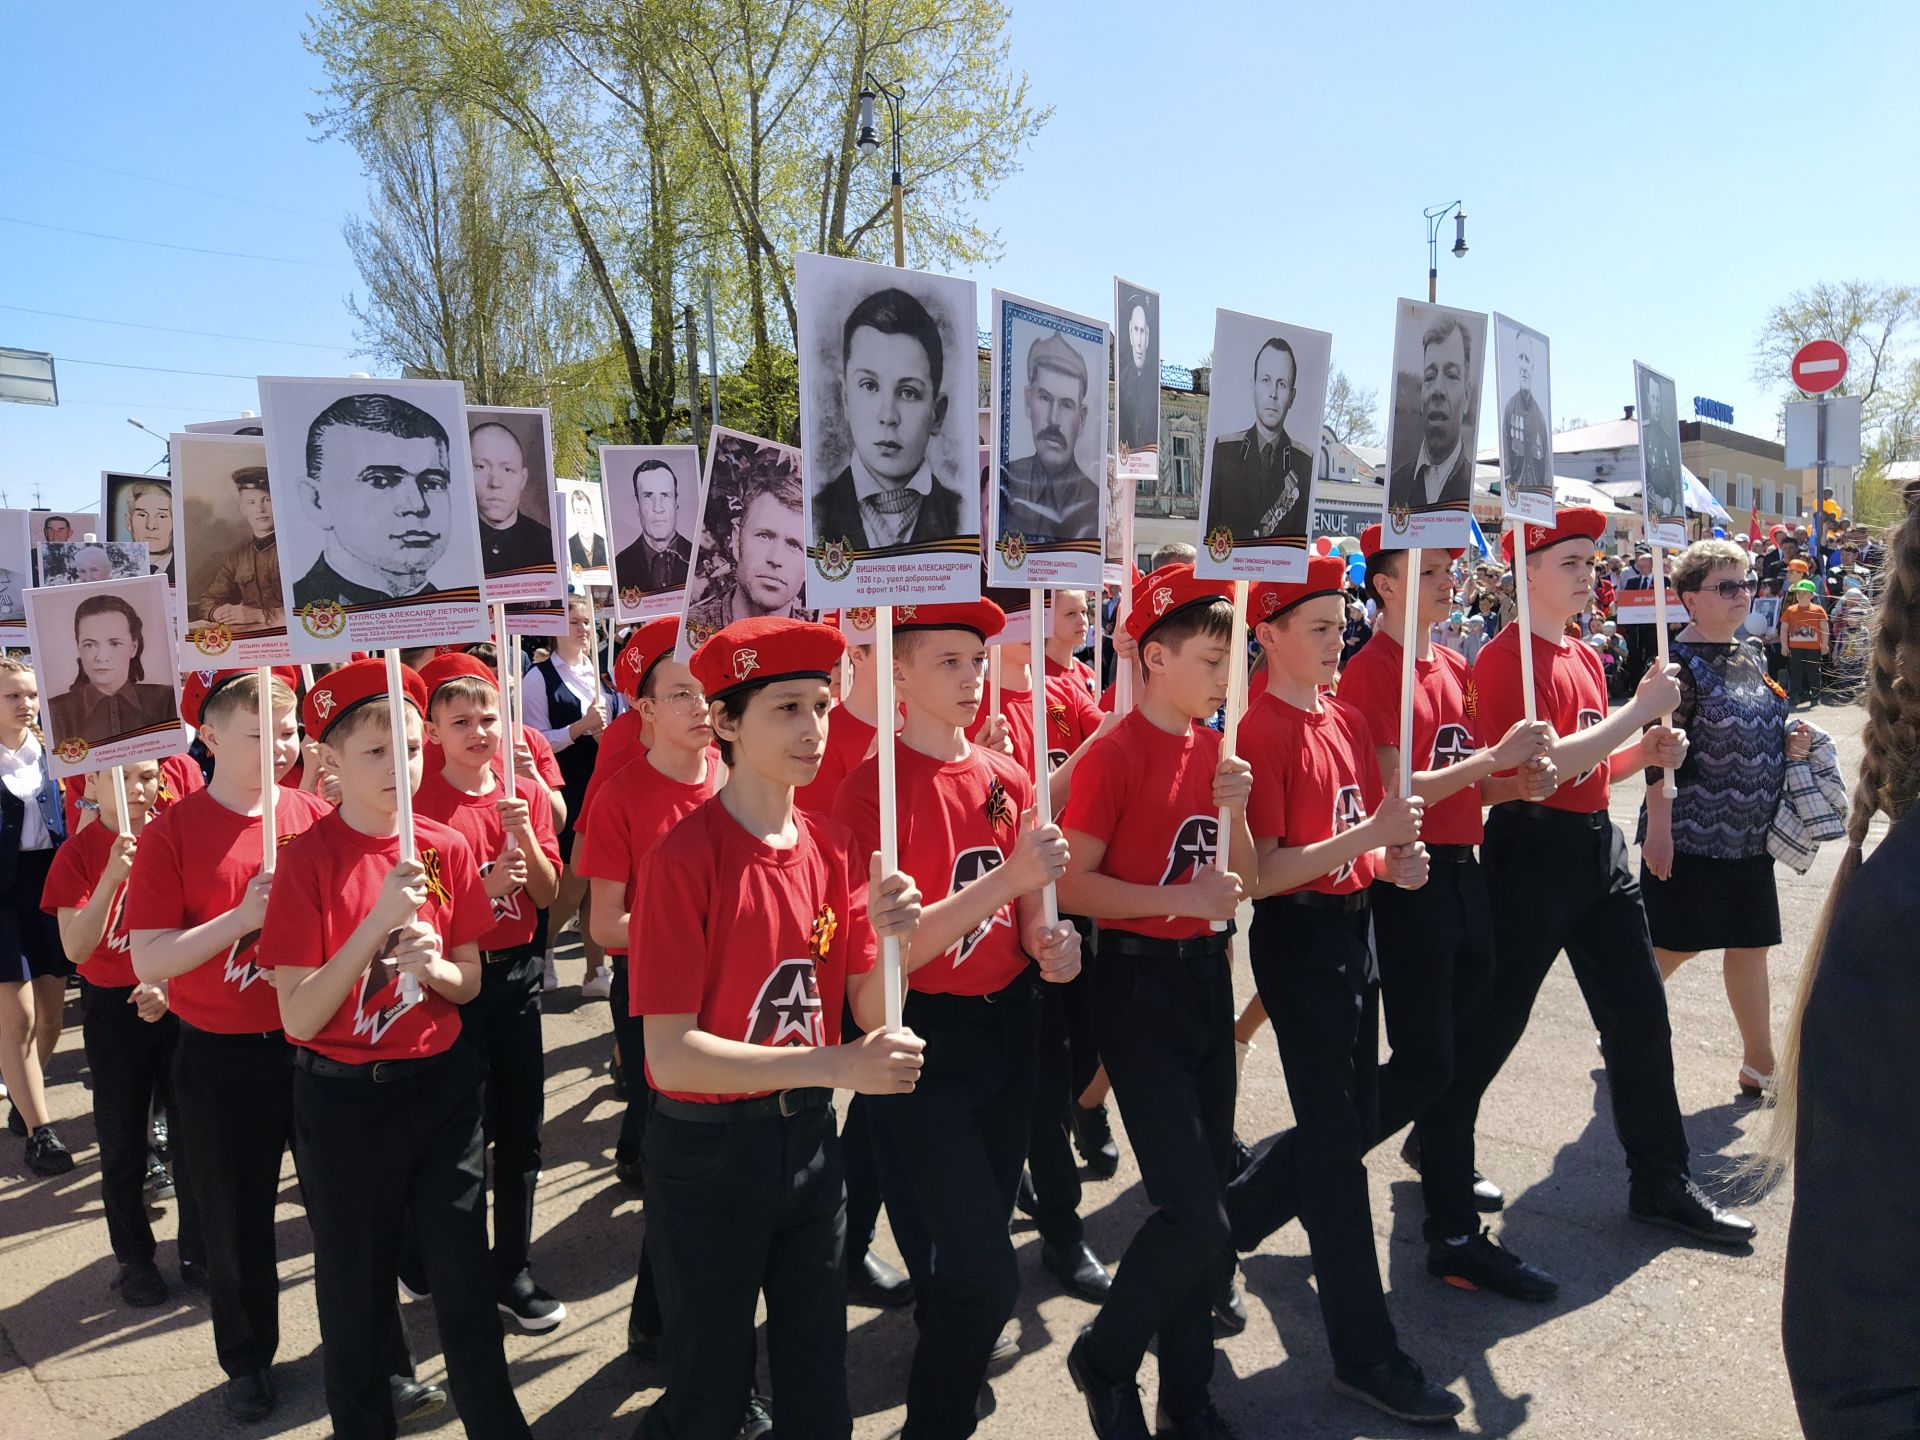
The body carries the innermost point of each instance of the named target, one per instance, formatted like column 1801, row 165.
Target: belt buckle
column 788, row 1107
column 378, row 1066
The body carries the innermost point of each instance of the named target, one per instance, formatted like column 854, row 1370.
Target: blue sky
column 1642, row 181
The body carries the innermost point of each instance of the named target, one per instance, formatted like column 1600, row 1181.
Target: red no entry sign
column 1819, row 365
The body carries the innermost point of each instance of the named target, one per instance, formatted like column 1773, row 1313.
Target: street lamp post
column 869, row 141
column 1436, row 217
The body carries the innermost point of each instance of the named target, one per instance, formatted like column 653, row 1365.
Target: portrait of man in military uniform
column 1526, row 438
column 1261, row 480
column 244, row 590
column 1660, row 471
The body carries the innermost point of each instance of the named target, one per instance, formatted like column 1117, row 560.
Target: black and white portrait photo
column 1439, row 357
column 88, row 562
column 240, row 425
column 1663, row 484
column 653, row 512
column 512, row 449
column 371, row 483
column 1263, row 430
column 1050, row 445
column 103, row 653
column 1526, row 438
column 750, row 557
column 232, row 601
column 16, row 574
column 50, row 527
column 887, row 380
column 586, row 533
column 1136, row 369
column 140, row 511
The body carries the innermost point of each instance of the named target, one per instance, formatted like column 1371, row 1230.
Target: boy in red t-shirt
column 373, row 958
column 129, row 1033
column 1324, row 831
column 520, row 868
column 195, row 905
column 957, row 1142
column 1558, row 876
column 756, row 921
column 851, row 729
column 1435, row 944
column 1143, row 826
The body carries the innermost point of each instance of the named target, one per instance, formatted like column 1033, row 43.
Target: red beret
column 1370, row 544
column 645, row 648
column 765, row 649
column 351, row 686
column 1166, row 592
column 1326, row 575
column 198, row 686
column 1579, row 523
column 455, row 664
column 982, row 617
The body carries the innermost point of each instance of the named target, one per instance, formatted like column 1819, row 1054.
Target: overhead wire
column 169, row 245
column 177, row 330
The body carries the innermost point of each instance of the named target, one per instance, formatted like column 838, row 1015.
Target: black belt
column 375, row 1072
column 1352, row 903
column 500, row 957
column 1021, row 984
column 232, row 1037
column 1451, row 854
column 1160, row 947
column 1547, row 814
column 717, row 1112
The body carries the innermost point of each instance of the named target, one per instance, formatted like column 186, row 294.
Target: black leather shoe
column 141, row 1285
column 758, row 1423
column 1006, row 1347
column 1078, row 1271
column 1488, row 1198
column 872, row 1281
column 46, row 1155
column 1113, row 1409
column 1397, row 1387
column 1093, row 1137
column 249, row 1397
column 1229, row 1308
column 1206, row 1423
column 1680, row 1204
column 1025, row 1198
column 414, row 1399
column 1482, row 1263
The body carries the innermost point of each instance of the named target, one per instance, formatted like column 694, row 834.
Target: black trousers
column 1315, row 974
column 131, row 1061
column 502, row 1027
column 1560, row 882
column 233, row 1113
column 861, row 1137
column 736, row 1208
column 630, row 1032
column 371, row 1156
column 1068, row 1058
column 1165, row 1030
column 956, row 1145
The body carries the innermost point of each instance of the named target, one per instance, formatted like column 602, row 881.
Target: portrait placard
column 1049, row 444
column 239, row 425
column 88, row 562
column 1663, row 485
column 586, row 533
column 52, row 526
column 513, row 495
column 233, row 608
column 750, row 555
column 1439, row 357
column 1263, row 431
column 141, row 510
column 104, row 657
column 372, row 490
column 885, row 354
column 16, row 575
column 653, row 514
column 1136, row 381
column 1520, row 387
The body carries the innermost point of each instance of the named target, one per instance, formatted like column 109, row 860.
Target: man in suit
column 887, row 497
column 512, row 542
column 1261, row 479
column 1659, row 461
column 1138, row 384
column 658, row 558
column 1441, row 474
column 1046, row 496
column 377, row 484
column 1640, row 638
column 586, row 547
column 1526, row 443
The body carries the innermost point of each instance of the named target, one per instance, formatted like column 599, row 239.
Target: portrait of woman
column 110, row 697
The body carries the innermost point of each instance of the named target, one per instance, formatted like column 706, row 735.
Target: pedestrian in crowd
column 566, row 703
column 1806, row 638
column 1705, row 873
column 1850, row 1316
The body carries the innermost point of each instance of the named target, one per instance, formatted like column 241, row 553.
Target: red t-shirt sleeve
column 543, row 759
column 862, row 945
column 1497, row 698
column 1267, row 806
column 1093, row 804
column 670, row 906
column 470, row 916
column 69, row 885
column 291, row 933
column 541, row 814
column 857, row 807
column 603, row 847
column 1363, row 689
column 1365, row 742
column 156, row 890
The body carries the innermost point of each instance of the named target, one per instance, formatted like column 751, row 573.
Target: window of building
column 1767, row 494
column 1717, row 483
column 1789, row 500
column 1182, row 464
column 1743, row 494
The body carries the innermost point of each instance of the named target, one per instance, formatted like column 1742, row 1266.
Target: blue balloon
column 1357, row 568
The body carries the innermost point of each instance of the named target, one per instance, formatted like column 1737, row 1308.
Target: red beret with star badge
column 765, row 649
column 1326, row 575
column 1577, row 523
column 1172, row 588
column 351, row 686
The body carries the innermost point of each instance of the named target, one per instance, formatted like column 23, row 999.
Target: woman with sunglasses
column 1705, row 873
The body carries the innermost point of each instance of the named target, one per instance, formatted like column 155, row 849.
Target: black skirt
column 1709, row 904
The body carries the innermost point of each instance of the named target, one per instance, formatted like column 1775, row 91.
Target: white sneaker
column 550, row 977
column 598, row 985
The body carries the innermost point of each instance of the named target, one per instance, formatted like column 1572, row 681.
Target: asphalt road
column 1649, row 1337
